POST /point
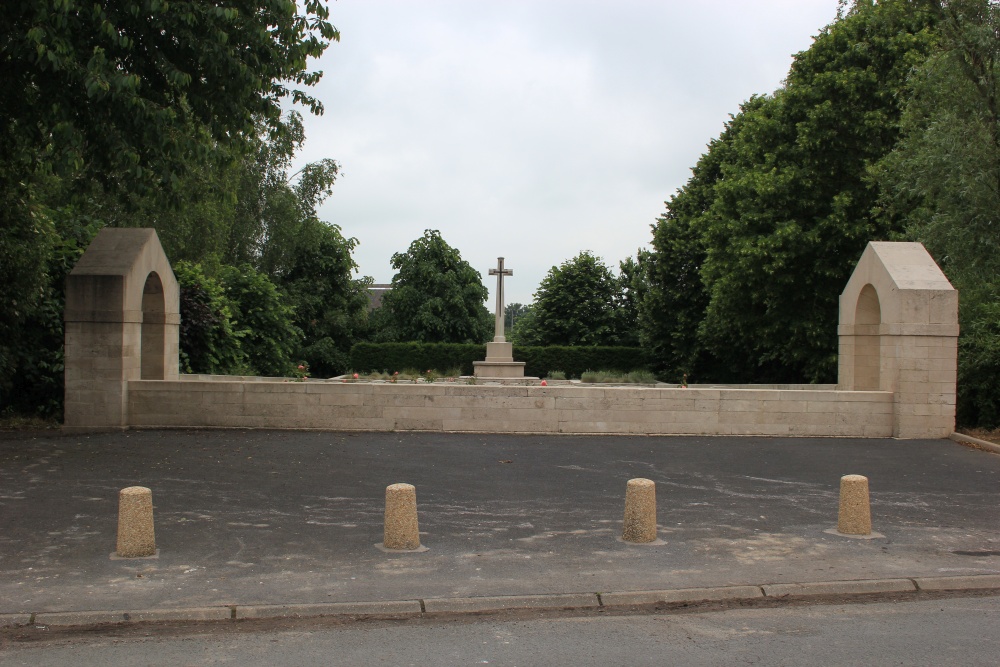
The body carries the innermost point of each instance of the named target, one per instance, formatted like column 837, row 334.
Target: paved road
column 274, row 517
column 957, row 631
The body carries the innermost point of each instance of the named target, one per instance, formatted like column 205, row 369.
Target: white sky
column 533, row 129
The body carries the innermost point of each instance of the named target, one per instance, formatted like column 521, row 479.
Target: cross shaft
column 499, row 272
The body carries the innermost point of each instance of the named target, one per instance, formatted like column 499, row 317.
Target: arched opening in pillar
column 867, row 342
column 153, row 334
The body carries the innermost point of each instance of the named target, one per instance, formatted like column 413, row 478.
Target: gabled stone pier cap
column 912, row 291
column 107, row 283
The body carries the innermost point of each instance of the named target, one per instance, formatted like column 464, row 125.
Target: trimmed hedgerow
column 369, row 357
column 571, row 360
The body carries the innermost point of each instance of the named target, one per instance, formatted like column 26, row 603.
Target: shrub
column 263, row 317
column 208, row 342
column 368, row 357
column 979, row 368
column 635, row 377
column 573, row 360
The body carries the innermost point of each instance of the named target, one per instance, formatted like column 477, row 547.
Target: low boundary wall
column 510, row 409
column 897, row 369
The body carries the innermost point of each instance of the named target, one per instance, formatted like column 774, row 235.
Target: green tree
column 124, row 97
column 632, row 288
column 261, row 316
column 673, row 306
column 331, row 305
column 773, row 224
column 575, row 304
column 511, row 313
column 140, row 85
column 943, row 179
column 209, row 343
column 792, row 212
column 32, row 348
column 436, row 296
column 273, row 209
column 248, row 210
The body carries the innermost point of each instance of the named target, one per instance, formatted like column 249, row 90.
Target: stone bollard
column 855, row 517
column 135, row 523
column 401, row 531
column 640, row 511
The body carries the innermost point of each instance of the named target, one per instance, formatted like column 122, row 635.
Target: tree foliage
column 168, row 115
column 577, row 303
column 133, row 88
column 511, row 313
column 262, row 317
column 943, row 179
column 436, row 296
column 330, row 304
column 779, row 210
column 209, row 343
column 31, row 347
column 673, row 306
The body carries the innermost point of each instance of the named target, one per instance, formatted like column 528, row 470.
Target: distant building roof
column 375, row 294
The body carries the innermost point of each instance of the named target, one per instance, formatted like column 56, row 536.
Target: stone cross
column 500, row 272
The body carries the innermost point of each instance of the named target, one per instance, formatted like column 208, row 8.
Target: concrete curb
column 985, row 444
column 840, row 587
column 499, row 602
column 328, row 609
column 95, row 617
column 958, row 583
column 7, row 620
column 682, row 595
column 502, row 602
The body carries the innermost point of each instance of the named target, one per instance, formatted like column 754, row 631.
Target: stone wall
column 510, row 409
column 898, row 333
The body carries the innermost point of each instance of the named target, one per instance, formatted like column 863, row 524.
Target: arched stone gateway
column 122, row 323
column 867, row 359
column 899, row 333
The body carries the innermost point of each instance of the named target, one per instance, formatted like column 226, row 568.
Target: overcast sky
column 534, row 130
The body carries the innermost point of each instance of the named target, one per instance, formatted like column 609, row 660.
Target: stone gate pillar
column 122, row 323
column 899, row 332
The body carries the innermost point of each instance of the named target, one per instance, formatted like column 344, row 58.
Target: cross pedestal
column 499, row 362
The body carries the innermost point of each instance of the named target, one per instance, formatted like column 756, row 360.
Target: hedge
column 573, row 361
column 379, row 357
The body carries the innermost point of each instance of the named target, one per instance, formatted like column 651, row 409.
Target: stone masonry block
column 340, row 398
column 418, row 425
column 421, row 414
column 409, row 389
column 673, row 404
column 339, row 389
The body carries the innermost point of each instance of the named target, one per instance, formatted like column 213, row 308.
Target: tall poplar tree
column 943, row 180
column 781, row 207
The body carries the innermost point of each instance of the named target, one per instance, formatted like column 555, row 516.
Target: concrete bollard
column 854, row 517
column 640, row 511
column 401, row 531
column 135, row 523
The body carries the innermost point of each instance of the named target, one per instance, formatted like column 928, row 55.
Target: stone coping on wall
column 785, row 410
column 466, row 379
